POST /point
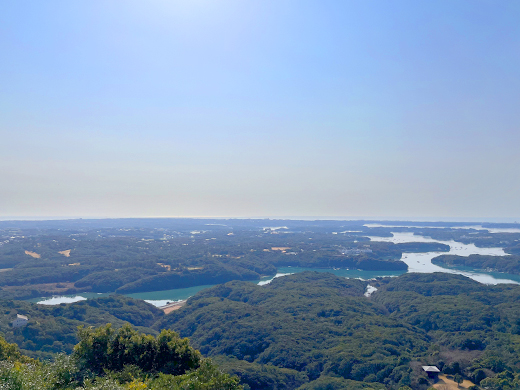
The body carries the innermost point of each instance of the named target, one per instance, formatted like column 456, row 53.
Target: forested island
column 509, row 264
column 423, row 247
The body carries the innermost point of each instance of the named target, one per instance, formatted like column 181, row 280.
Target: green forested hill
column 315, row 323
column 110, row 359
column 52, row 329
column 317, row 331
column 323, row 327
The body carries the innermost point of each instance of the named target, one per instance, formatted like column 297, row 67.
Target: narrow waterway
column 421, row 262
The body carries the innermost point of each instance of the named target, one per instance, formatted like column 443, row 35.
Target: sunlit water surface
column 421, row 262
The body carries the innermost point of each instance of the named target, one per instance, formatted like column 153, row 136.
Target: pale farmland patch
column 33, row 254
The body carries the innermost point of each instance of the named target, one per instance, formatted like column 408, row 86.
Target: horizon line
column 291, row 218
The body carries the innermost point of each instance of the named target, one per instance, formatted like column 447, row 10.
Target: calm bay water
column 156, row 298
column 421, row 262
column 417, row 262
column 56, row 300
column 346, row 273
column 161, row 298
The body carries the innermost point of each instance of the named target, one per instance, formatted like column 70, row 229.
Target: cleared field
column 172, row 306
column 33, row 254
column 446, row 383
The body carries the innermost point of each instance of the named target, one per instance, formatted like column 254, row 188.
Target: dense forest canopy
column 324, row 327
column 304, row 331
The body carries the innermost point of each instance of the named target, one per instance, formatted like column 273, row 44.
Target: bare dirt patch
column 33, row 254
column 168, row 267
column 446, row 383
column 65, row 253
column 172, row 306
column 280, row 248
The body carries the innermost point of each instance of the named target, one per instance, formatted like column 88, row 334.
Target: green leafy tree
column 107, row 349
column 206, row 377
column 11, row 352
column 479, row 375
column 458, row 379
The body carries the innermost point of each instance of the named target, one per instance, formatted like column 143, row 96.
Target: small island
column 423, row 247
column 508, row 264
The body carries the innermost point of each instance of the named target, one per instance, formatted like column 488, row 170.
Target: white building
column 20, row 321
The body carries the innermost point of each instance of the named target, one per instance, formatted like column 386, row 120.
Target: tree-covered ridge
column 509, row 264
column 53, row 329
column 111, row 359
column 324, row 328
column 475, row 328
column 308, row 330
column 314, row 323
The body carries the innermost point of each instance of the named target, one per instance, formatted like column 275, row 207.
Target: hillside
column 317, row 328
column 52, row 329
column 110, row 359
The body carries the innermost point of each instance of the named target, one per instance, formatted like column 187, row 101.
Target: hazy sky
column 260, row 108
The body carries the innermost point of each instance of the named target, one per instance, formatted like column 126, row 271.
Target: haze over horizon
column 200, row 108
column 276, row 218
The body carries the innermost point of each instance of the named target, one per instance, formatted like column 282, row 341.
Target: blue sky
column 260, row 108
